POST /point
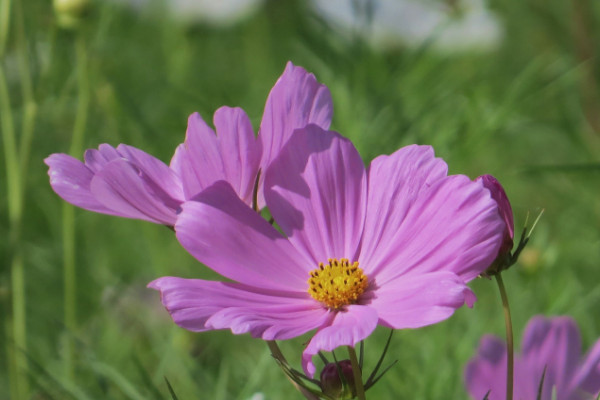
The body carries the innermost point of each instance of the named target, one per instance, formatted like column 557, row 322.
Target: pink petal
column 119, row 186
column 588, row 374
column 198, row 305
column 554, row 344
column 97, row 159
column 316, row 191
column 226, row 235
column 240, row 150
column 454, row 226
column 487, row 372
column 198, row 162
column 395, row 183
column 349, row 327
column 418, row 300
column 70, row 179
column 158, row 175
column 296, row 100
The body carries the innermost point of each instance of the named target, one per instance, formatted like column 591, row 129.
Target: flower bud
column 333, row 385
column 498, row 194
column 70, row 13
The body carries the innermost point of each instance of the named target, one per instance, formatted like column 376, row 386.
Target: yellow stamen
column 337, row 283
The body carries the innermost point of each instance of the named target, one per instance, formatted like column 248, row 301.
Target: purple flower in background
column 128, row 182
column 499, row 195
column 391, row 245
column 550, row 344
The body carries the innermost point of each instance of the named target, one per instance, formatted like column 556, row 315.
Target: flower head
column 551, row 349
column 128, row 182
column 390, row 245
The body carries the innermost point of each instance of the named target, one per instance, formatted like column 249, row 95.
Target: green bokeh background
column 527, row 111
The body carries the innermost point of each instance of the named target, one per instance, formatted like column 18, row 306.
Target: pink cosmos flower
column 499, row 195
column 128, row 182
column 550, row 344
column 390, row 245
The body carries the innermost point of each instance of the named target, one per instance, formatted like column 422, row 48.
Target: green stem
column 4, row 25
column 360, row 389
column 16, row 163
column 68, row 220
column 509, row 338
column 83, row 93
column 17, row 359
column 29, row 104
column 276, row 353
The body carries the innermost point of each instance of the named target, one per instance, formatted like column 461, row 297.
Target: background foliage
column 526, row 111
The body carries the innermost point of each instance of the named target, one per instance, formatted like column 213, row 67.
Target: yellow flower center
column 337, row 283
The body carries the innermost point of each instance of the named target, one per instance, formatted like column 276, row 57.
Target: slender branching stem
column 276, row 353
column 509, row 339
column 356, row 370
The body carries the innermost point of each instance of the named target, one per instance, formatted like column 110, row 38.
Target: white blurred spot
column 393, row 23
column 215, row 12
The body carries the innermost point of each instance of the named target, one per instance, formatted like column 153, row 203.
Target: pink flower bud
column 331, row 383
column 498, row 194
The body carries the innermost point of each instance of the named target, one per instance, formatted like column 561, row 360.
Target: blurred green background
column 77, row 320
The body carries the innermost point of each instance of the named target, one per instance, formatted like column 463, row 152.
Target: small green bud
column 333, row 385
column 70, row 13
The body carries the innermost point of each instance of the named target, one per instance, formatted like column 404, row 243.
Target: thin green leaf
column 541, row 385
column 380, row 375
column 147, row 379
column 66, row 387
column 118, row 379
column 323, row 358
column 361, row 354
column 171, row 391
column 297, row 378
column 385, row 349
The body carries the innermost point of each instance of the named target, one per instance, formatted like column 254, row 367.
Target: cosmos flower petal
column 97, row 159
column 554, row 343
column 229, row 237
column 198, row 162
column 454, row 225
column 276, row 321
column 236, row 140
column 296, row 100
column 70, row 179
column 426, row 299
column 155, row 173
column 199, row 305
column 487, row 372
column 550, row 349
column 347, row 328
column 121, row 186
column 316, row 191
column 588, row 375
column 395, row 182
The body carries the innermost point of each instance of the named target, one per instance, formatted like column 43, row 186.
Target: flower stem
column 509, row 338
column 276, row 353
column 16, row 160
column 68, row 219
column 360, row 389
column 4, row 24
